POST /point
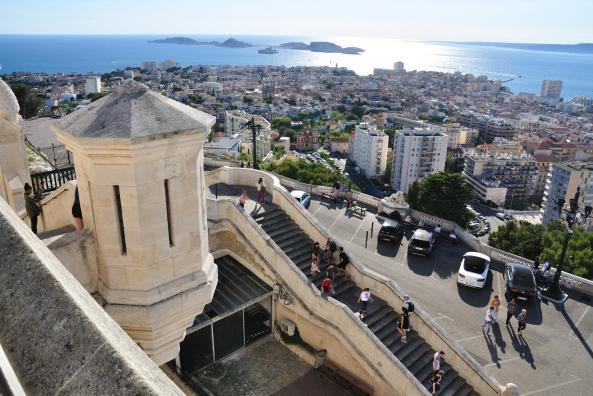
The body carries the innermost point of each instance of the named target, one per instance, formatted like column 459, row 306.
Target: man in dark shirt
column 344, row 260
column 32, row 207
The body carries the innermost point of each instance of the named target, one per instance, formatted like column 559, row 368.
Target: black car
column 520, row 282
column 391, row 231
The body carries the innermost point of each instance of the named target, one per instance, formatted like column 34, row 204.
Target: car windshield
column 419, row 243
column 389, row 230
column 523, row 278
column 474, row 264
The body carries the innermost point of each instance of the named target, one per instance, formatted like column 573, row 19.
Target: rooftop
column 135, row 113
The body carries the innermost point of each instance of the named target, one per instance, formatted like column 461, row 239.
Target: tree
column 279, row 122
column 579, row 255
column 443, row 195
column 358, row 110
column 388, row 171
column 29, row 103
column 521, row 238
column 454, row 165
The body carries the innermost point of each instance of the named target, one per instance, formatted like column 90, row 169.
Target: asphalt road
column 556, row 353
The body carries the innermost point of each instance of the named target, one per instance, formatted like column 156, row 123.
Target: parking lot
column 553, row 357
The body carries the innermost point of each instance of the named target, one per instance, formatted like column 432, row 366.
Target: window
column 120, row 220
column 168, row 207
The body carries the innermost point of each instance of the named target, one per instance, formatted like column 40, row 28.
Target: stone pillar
column 138, row 159
column 14, row 169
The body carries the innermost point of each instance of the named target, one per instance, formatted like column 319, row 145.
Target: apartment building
column 368, row 149
column 562, row 183
column 551, row 89
column 417, row 153
column 489, row 173
column 92, row 85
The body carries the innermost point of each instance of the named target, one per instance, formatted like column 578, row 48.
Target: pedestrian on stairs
column 314, row 266
column 522, row 319
column 403, row 325
column 344, row 260
column 327, row 287
column 243, row 199
column 261, row 191
column 435, row 382
column 436, row 362
column 364, row 299
column 32, row 206
column 316, row 250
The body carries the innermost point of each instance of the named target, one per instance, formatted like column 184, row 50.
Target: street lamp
column 573, row 216
column 255, row 127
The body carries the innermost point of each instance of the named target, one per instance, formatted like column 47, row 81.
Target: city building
column 338, row 145
column 497, row 127
column 460, row 136
column 307, row 140
column 551, row 89
column 167, row 64
column 398, row 67
column 149, row 66
column 284, row 142
column 368, row 149
column 562, row 183
column 488, row 173
column 417, row 153
column 92, row 85
column 226, row 146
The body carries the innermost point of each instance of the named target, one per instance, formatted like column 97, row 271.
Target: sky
column 518, row 21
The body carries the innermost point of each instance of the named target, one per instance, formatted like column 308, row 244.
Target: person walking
column 344, row 260
column 511, row 309
column 242, row 165
column 490, row 314
column 243, row 199
column 404, row 324
column 364, row 299
column 522, row 320
column 408, row 304
column 327, row 287
column 314, row 266
column 435, row 382
column 261, row 191
column 436, row 361
column 316, row 250
column 32, row 207
column 496, row 304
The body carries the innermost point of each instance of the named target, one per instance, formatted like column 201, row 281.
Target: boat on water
column 268, row 51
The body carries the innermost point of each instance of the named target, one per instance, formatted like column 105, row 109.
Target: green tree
column 29, row 103
column 579, row 255
column 443, row 195
column 279, row 122
column 521, row 238
column 388, row 171
column 454, row 165
column 358, row 110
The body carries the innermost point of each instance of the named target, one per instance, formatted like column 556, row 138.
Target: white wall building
column 398, row 67
column 417, row 153
column 149, row 66
column 368, row 149
column 167, row 64
column 562, row 183
column 551, row 89
column 92, row 85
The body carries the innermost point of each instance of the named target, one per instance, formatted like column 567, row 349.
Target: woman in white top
column 261, row 191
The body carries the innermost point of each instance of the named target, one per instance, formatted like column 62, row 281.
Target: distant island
column 268, row 51
column 322, row 46
column 230, row 43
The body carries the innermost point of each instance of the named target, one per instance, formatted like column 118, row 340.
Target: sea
column 523, row 67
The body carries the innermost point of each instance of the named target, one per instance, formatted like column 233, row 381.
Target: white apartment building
column 92, row 85
column 167, row 64
column 551, row 89
column 368, row 149
column 562, row 183
column 149, row 66
column 418, row 153
column 398, row 67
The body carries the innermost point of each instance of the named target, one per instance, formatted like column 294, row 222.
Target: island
column 268, row 51
column 229, row 43
column 322, row 46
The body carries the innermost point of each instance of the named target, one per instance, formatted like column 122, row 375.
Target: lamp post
column 251, row 124
column 572, row 215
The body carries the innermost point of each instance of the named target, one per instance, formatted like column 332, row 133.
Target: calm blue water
column 105, row 53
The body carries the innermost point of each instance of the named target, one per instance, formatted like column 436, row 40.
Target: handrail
column 383, row 286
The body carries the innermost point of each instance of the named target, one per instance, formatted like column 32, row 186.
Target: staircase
column 416, row 354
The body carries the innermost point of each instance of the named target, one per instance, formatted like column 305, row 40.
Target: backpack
column 410, row 305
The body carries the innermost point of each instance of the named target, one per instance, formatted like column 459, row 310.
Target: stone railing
column 384, row 287
column 56, row 208
column 57, row 338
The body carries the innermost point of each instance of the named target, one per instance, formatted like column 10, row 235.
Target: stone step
column 300, row 246
column 412, row 358
column 266, row 223
column 279, row 228
column 409, row 348
column 452, row 388
column 387, row 320
column 288, row 234
column 292, row 240
column 465, row 390
column 421, row 363
column 268, row 214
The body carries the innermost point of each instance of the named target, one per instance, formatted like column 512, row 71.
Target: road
column 553, row 358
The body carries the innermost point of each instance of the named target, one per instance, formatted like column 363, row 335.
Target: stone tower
column 14, row 170
column 139, row 167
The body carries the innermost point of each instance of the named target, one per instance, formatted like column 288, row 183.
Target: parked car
column 422, row 242
column 391, row 231
column 473, row 270
column 520, row 282
column 302, row 197
column 503, row 216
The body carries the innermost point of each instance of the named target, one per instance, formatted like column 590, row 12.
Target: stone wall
column 59, row 340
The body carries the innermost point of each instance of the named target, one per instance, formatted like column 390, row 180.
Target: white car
column 503, row 216
column 302, row 197
column 473, row 270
